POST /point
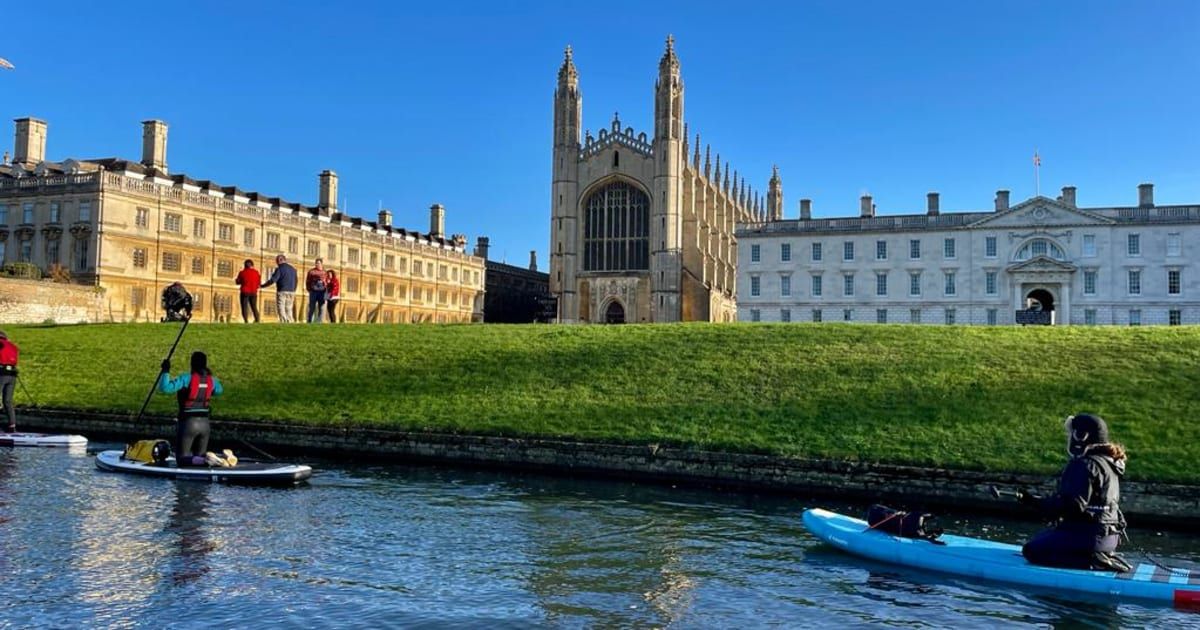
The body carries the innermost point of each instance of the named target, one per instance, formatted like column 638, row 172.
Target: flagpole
column 1037, row 173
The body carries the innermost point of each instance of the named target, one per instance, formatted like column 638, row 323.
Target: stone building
column 640, row 232
column 132, row 228
column 1042, row 261
column 514, row 295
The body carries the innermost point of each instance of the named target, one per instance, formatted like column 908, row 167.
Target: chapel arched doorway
column 615, row 313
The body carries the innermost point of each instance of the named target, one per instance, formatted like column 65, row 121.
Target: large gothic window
column 616, row 231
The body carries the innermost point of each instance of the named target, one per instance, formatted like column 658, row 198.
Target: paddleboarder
column 8, row 378
column 1088, row 523
column 194, row 391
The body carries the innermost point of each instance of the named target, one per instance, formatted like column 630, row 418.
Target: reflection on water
column 403, row 546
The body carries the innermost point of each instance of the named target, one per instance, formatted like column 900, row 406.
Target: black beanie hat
column 1085, row 430
column 199, row 362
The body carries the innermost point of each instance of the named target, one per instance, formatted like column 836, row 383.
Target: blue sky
column 451, row 102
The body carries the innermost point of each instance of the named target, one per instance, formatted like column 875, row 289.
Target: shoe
column 214, row 460
column 230, row 459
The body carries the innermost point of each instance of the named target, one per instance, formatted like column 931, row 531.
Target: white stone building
column 1040, row 261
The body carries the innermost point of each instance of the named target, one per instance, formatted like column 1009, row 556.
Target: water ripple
column 395, row 546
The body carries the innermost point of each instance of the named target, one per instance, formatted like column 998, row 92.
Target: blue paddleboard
column 999, row 562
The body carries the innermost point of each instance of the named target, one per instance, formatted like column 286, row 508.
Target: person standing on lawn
column 249, row 279
column 333, row 288
column 284, row 279
column 315, row 283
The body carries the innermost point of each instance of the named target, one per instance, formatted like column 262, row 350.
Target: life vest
column 194, row 399
column 8, row 357
column 1104, row 506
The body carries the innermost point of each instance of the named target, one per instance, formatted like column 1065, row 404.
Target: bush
column 22, row 270
column 59, row 273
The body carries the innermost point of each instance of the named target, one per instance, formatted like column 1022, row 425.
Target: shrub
column 22, row 270
column 59, row 273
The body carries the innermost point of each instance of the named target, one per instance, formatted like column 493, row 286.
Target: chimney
column 1068, row 196
column 932, row 204
column 481, row 247
column 1146, row 195
column 385, row 218
column 1001, row 200
column 866, row 208
column 805, row 209
column 437, row 220
column 533, row 260
column 29, row 148
column 154, row 144
column 329, row 191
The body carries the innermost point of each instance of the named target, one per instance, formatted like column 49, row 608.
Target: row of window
column 950, row 288
column 420, row 269
column 24, row 252
column 173, row 222
column 223, row 303
column 950, row 284
column 55, row 208
column 1037, row 247
column 950, row 315
column 173, row 261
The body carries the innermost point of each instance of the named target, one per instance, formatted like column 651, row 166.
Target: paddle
column 997, row 493
column 154, row 386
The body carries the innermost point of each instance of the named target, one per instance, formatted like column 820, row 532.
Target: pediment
column 1042, row 264
column 1042, row 212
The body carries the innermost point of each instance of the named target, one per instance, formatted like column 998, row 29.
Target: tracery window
column 1040, row 247
column 616, row 229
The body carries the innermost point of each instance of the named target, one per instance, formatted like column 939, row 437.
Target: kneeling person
column 194, row 391
column 1087, row 518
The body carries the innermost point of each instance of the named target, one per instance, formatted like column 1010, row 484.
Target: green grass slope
column 969, row 397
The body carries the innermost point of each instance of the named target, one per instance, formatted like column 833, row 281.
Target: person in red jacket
column 249, row 279
column 8, row 378
column 333, row 294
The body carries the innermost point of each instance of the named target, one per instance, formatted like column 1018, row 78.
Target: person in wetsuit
column 194, row 391
column 1085, row 509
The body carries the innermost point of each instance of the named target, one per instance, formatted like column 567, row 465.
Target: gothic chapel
column 640, row 232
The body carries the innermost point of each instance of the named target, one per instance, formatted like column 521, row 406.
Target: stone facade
column 1041, row 261
column 26, row 301
column 640, row 232
column 132, row 228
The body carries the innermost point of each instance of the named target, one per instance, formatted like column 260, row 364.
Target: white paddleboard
column 249, row 473
column 42, row 439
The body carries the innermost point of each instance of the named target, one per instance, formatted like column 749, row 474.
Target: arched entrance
column 615, row 313
column 1040, row 300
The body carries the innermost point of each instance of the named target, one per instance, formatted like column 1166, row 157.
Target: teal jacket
column 168, row 385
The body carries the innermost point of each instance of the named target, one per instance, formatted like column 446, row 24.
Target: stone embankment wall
column 902, row 486
column 37, row 301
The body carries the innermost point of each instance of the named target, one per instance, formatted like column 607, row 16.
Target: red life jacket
column 198, row 393
column 8, row 357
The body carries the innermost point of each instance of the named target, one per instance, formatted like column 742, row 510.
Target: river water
column 400, row 546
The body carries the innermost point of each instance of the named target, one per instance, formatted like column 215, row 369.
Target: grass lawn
column 985, row 398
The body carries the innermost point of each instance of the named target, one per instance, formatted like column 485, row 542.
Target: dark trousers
column 331, row 310
column 7, row 383
column 250, row 302
column 1069, row 546
column 191, row 438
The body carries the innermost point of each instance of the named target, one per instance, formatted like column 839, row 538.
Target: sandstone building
column 1043, row 261
column 132, row 228
column 641, row 231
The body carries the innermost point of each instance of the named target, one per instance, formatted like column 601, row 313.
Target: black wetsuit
column 1089, row 520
